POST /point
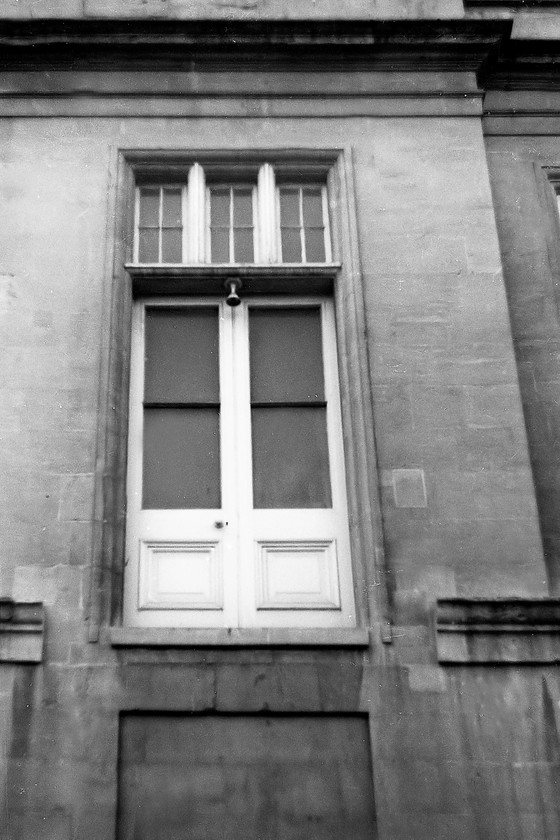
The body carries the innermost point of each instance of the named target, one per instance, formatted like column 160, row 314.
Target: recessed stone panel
column 225, row 777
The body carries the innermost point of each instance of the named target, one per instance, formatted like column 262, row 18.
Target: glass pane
column 289, row 208
column 290, row 458
column 172, row 209
column 172, row 245
column 243, row 245
column 312, row 207
column 182, row 352
column 219, row 245
column 148, row 245
column 315, row 245
column 181, row 467
column 286, row 355
column 219, row 208
column 149, row 207
column 243, row 208
column 291, row 245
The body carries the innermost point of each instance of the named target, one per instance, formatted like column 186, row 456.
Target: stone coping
column 22, row 627
column 222, row 637
column 494, row 630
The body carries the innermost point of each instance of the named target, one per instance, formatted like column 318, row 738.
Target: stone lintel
column 493, row 630
column 22, row 627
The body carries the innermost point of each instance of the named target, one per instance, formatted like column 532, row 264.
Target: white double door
column 247, row 561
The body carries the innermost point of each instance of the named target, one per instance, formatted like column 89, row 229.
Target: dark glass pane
column 312, row 207
column 286, row 355
column 291, row 245
column 172, row 209
column 290, row 458
column 219, row 245
column 243, row 208
column 315, row 245
column 243, row 245
column 148, row 245
column 171, row 245
column 149, row 207
column 181, row 467
column 182, row 352
column 219, row 208
column 289, row 208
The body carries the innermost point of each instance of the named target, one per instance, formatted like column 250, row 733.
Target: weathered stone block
column 76, row 497
column 410, row 488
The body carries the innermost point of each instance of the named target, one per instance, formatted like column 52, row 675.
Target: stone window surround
column 125, row 280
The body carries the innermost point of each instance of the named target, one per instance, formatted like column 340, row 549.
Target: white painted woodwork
column 194, row 246
column 266, row 218
column 264, row 567
column 297, row 575
column 180, row 575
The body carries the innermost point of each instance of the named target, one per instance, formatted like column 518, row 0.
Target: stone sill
column 498, row 630
column 178, row 637
column 22, row 628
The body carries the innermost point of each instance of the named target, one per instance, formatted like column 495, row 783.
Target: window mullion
column 229, row 461
column 267, row 216
column 160, row 226
column 243, row 460
column 196, row 216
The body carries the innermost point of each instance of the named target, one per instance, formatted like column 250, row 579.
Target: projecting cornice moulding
column 22, row 627
column 460, row 44
column 498, row 630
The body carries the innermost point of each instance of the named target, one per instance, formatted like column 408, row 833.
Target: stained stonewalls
column 213, row 9
column 529, row 238
column 458, row 505
column 445, row 381
column 445, row 384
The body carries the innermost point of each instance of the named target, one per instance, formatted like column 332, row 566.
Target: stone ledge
column 498, row 630
column 22, row 627
column 152, row 637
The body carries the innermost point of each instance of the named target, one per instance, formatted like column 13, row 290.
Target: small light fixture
column 232, row 286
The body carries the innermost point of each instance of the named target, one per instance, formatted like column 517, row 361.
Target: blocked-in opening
column 226, row 777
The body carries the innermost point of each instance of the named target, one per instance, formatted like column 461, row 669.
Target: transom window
column 258, row 221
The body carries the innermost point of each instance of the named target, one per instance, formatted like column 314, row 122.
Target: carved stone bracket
column 496, row 630
column 22, row 627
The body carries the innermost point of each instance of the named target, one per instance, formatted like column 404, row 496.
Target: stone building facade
column 357, row 634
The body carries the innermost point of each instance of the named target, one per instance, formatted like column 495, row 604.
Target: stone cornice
column 164, row 44
column 22, row 626
column 493, row 630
